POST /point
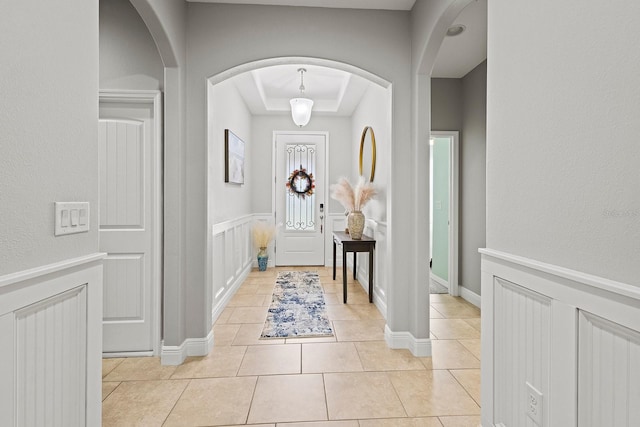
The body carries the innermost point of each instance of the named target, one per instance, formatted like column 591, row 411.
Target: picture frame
column 233, row 158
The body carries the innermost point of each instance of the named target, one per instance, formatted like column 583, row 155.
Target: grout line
column 176, row 402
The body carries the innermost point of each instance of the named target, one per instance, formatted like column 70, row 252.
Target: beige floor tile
column 352, row 423
column 243, row 300
column 107, row 388
column 140, row 369
column 450, row 354
column 473, row 346
column 342, row 312
column 252, row 425
column 377, row 356
column 361, row 395
column 223, row 335
column 249, row 334
column 475, row 323
column 141, row 403
column 432, row 393
column 247, row 289
column 448, row 329
column 461, row 421
column 357, row 297
column 266, row 289
column 332, row 357
column 332, row 299
column 367, row 311
column 224, row 316
column 456, row 310
column 220, row 362
column 435, row 314
column 443, row 298
column 213, row 401
column 271, row 360
column 470, row 380
column 359, row 330
column 402, row 422
column 309, row 340
column 249, row 315
column 288, row 398
column 109, row 364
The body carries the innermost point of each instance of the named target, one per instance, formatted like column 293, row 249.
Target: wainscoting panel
column 609, row 373
column 378, row 231
column 50, row 360
column 572, row 336
column 231, row 260
column 522, row 320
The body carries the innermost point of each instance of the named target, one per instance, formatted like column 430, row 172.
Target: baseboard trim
column 470, row 296
column 419, row 347
column 176, row 354
column 439, row 280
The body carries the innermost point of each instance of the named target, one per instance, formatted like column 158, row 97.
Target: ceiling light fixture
column 301, row 107
column 455, row 30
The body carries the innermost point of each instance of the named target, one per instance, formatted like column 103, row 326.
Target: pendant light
column 301, row 107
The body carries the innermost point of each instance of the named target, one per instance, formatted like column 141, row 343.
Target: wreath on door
column 301, row 183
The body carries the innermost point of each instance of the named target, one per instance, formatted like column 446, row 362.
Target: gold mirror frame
column 373, row 151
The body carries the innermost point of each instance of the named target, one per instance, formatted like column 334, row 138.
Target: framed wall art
column 233, row 158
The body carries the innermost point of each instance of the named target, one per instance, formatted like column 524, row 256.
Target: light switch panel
column 71, row 217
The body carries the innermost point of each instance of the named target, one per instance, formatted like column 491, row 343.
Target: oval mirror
column 367, row 164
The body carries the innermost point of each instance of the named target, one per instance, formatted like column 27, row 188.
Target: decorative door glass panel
column 300, row 199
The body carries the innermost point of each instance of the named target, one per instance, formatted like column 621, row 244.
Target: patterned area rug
column 297, row 308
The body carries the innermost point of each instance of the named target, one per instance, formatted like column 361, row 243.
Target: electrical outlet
column 534, row 404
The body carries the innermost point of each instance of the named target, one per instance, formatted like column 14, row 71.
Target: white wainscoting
column 231, row 261
column 572, row 336
column 50, row 359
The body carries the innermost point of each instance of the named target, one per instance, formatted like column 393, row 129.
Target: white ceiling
column 335, row 92
column 344, row 4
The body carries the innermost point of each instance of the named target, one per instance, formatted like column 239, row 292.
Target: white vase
column 355, row 221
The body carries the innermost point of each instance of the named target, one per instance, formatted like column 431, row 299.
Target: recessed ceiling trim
column 341, row 4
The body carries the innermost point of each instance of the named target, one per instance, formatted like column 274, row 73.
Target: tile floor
column 349, row 380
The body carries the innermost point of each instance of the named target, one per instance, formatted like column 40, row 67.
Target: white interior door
column 300, row 197
column 129, row 139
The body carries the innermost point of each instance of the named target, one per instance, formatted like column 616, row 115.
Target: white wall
column 446, row 104
column 129, row 58
column 228, row 111
column 374, row 110
column 49, row 128
column 339, row 154
column 563, row 132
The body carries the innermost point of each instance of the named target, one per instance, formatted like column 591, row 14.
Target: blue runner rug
column 297, row 308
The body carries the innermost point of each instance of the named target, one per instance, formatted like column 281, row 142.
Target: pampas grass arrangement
column 262, row 233
column 353, row 199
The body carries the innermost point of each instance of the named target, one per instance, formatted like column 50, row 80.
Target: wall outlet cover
column 534, row 404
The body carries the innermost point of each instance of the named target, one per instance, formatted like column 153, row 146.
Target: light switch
column 71, row 217
column 64, row 217
column 74, row 217
column 83, row 217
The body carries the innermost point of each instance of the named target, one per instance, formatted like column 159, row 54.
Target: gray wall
column 563, row 155
column 129, row 58
column 222, row 36
column 473, row 171
column 460, row 104
column 48, row 128
column 446, row 104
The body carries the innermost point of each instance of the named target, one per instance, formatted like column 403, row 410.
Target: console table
column 366, row 244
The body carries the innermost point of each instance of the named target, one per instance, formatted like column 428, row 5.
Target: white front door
column 300, row 204
column 130, row 148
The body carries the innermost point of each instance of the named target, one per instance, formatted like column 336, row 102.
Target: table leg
column 354, row 264
column 334, row 260
column 370, row 275
column 344, row 273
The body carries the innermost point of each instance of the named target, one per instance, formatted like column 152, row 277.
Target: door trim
column 154, row 98
column 454, row 189
column 274, row 148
